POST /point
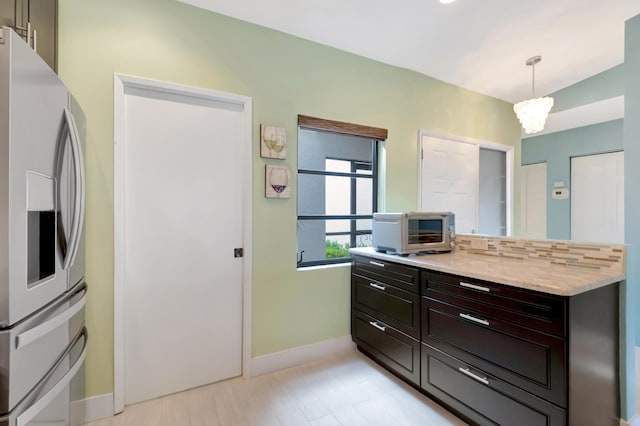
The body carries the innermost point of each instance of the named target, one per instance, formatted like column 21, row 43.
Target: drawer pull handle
column 378, row 286
column 378, row 326
column 377, row 263
column 474, row 319
column 473, row 376
column 475, row 287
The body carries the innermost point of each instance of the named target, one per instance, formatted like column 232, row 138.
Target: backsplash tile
column 567, row 253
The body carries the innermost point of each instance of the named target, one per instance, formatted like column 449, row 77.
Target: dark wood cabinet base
column 490, row 353
column 396, row 351
column 480, row 397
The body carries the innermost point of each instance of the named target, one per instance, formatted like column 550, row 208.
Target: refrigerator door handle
column 35, row 333
column 78, row 208
column 35, row 409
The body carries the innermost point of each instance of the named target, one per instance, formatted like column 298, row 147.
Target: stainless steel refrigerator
column 42, row 266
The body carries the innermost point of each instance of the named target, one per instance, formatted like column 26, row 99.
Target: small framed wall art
column 273, row 141
column 277, row 181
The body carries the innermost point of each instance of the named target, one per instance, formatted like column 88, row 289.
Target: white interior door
column 449, row 173
column 597, row 198
column 533, row 195
column 183, row 174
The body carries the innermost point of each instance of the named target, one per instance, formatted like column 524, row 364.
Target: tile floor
column 343, row 390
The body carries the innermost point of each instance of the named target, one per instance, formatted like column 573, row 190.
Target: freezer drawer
column 32, row 347
column 48, row 403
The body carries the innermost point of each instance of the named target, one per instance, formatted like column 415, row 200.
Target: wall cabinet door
column 43, row 15
column 7, row 12
column 41, row 18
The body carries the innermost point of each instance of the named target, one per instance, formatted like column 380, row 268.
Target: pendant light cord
column 533, row 80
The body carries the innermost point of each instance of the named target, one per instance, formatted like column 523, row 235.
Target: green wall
column 285, row 76
column 556, row 149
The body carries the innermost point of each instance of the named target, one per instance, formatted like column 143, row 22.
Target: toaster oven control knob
column 452, row 244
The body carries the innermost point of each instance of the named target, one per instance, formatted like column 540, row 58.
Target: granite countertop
column 535, row 275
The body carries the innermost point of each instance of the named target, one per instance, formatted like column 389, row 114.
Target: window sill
column 319, row 267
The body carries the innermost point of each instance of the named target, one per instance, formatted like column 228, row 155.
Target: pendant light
column 533, row 113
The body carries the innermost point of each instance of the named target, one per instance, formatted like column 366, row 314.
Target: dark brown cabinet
column 36, row 22
column 385, row 315
column 481, row 397
column 492, row 353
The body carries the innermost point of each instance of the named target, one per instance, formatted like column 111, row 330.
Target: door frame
column 509, row 180
column 121, row 83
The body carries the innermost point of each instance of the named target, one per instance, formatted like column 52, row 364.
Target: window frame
column 375, row 135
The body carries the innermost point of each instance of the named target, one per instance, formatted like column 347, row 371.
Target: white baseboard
column 92, row 409
column 101, row 406
column 291, row 357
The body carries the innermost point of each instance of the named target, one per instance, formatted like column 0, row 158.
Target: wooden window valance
column 340, row 127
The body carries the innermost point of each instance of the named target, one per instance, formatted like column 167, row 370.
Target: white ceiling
column 480, row 45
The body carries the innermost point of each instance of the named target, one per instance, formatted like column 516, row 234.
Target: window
column 337, row 193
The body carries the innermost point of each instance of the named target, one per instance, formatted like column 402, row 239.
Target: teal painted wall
column 556, row 149
column 630, row 301
column 607, row 84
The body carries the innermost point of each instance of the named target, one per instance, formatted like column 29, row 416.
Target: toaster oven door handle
column 377, row 263
column 378, row 286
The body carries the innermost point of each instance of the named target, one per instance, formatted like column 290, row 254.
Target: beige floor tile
column 347, row 390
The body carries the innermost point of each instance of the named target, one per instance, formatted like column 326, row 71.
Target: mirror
column 589, row 131
column 470, row 178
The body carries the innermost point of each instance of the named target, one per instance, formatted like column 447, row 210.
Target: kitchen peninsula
column 501, row 330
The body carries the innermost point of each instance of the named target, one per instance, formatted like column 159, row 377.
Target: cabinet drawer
column 482, row 398
column 398, row 308
column 526, row 358
column 405, row 277
column 530, row 309
column 391, row 348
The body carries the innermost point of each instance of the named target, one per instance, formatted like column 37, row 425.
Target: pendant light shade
column 533, row 113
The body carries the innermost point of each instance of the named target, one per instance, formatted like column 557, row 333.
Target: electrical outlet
column 479, row 243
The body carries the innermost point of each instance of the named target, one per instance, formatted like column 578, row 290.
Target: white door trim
column 121, row 83
column 507, row 149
